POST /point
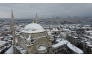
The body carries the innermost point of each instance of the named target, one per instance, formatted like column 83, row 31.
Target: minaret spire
column 13, row 31
column 33, row 21
column 36, row 18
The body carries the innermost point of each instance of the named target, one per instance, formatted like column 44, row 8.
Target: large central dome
column 33, row 28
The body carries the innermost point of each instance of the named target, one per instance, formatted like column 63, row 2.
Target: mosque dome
column 42, row 49
column 33, row 28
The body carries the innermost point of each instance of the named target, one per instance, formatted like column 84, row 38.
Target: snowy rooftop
column 10, row 50
column 74, row 48
column 49, row 33
column 71, row 46
column 55, row 29
column 89, row 43
column 22, row 50
column 63, row 33
column 89, row 31
column 88, row 36
column 1, row 37
column 66, row 30
column 2, row 43
column 60, row 42
column 33, row 28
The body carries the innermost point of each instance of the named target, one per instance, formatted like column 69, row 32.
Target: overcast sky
column 45, row 10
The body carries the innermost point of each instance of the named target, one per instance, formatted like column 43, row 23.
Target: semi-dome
column 33, row 28
column 42, row 49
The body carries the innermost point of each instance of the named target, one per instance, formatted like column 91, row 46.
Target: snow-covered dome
column 33, row 28
column 42, row 49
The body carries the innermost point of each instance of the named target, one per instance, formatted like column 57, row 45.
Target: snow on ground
column 10, row 50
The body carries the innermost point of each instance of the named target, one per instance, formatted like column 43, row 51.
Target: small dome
column 42, row 49
column 33, row 28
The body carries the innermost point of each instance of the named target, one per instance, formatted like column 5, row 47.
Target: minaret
column 33, row 21
column 13, row 31
column 36, row 18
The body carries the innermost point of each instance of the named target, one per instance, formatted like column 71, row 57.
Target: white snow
column 33, row 28
column 55, row 29
column 49, row 33
column 89, row 43
column 10, row 36
column 74, row 48
column 21, row 36
column 89, row 31
column 67, row 30
column 1, row 37
column 10, row 50
column 2, row 43
column 22, row 50
column 63, row 34
column 74, row 37
column 71, row 46
column 59, row 43
column 29, row 38
column 88, row 36
column 41, row 48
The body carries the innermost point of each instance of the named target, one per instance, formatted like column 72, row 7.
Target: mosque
column 32, row 39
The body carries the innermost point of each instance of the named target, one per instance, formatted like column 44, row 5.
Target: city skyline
column 45, row 10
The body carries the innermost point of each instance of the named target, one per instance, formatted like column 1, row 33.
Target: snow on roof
column 63, row 33
column 66, row 30
column 2, row 43
column 10, row 50
column 41, row 48
column 55, row 29
column 59, row 43
column 29, row 38
column 10, row 36
column 74, row 48
column 49, row 33
column 59, row 39
column 33, row 28
column 88, row 36
column 89, row 31
column 74, row 37
column 1, row 37
column 22, row 50
column 89, row 43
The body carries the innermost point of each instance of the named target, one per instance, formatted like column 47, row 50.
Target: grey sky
column 45, row 10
